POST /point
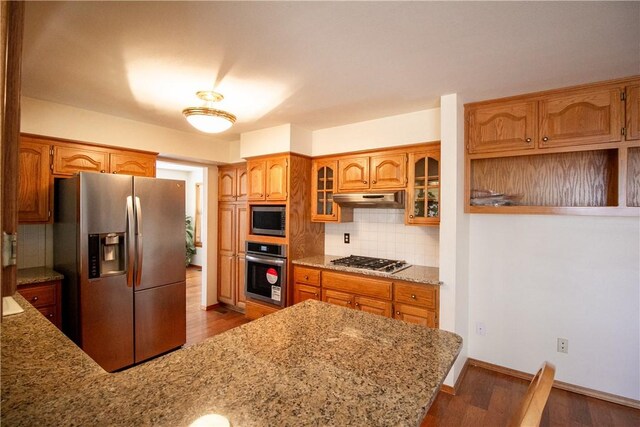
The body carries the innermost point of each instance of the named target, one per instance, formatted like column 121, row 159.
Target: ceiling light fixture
column 206, row 118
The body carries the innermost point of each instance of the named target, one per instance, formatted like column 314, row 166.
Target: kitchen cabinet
column 384, row 171
column 357, row 302
column 423, row 190
column 324, row 178
column 71, row 158
column 267, row 179
column 583, row 150
column 132, row 164
column 255, row 310
column 306, row 284
column 34, row 182
column 357, row 292
column 502, row 127
column 417, row 304
column 302, row 292
column 585, row 116
column 232, row 183
column 232, row 232
column 46, row 297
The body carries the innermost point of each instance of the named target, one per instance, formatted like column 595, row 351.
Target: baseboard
column 209, row 307
column 608, row 397
column 453, row 390
column 195, row 265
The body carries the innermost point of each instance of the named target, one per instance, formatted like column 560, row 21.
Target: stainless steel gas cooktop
column 369, row 263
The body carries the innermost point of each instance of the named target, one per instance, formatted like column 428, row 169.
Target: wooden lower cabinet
column 255, row 310
column 302, row 292
column 226, row 276
column 46, row 298
column 413, row 314
column 337, row 298
column 373, row 306
column 232, row 231
column 239, row 282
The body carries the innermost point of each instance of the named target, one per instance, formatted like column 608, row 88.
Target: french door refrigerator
column 119, row 241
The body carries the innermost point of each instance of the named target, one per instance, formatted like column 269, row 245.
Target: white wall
column 536, row 278
column 266, row 141
column 412, row 128
column 62, row 121
column 382, row 233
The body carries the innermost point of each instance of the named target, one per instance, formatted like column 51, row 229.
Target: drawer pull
column 357, row 304
column 102, row 171
column 349, row 302
column 34, row 299
column 398, row 313
column 413, row 296
column 364, row 182
column 50, row 315
column 306, row 277
column 316, row 294
column 545, row 139
column 373, row 182
column 528, row 140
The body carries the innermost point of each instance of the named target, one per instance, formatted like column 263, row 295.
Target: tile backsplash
column 382, row 233
column 35, row 245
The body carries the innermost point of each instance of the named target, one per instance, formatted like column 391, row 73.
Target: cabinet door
column 323, row 174
column 302, row 292
column 226, row 228
column 277, row 179
column 226, row 278
column 502, row 127
column 132, row 164
column 70, row 160
column 424, row 189
column 256, row 184
column 337, row 298
column 417, row 315
column 588, row 116
column 240, row 285
column 241, row 184
column 227, row 185
column 242, row 228
column 34, row 182
column 633, row 112
column 353, row 173
column 373, row 306
column 389, row 171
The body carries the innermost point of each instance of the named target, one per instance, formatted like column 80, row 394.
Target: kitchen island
column 310, row 364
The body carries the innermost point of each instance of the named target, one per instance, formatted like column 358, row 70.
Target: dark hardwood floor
column 203, row 324
column 488, row 398
column 485, row 398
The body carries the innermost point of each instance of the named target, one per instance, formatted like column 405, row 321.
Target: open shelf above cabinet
column 518, row 164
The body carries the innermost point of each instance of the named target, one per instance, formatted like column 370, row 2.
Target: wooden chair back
column 530, row 411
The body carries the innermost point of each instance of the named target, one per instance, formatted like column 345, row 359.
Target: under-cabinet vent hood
column 389, row 199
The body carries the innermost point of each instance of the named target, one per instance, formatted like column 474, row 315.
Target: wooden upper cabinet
column 227, row 185
column 241, row 183
column 242, row 227
column 423, row 191
column 633, row 112
column 587, row 116
column 256, row 179
column 388, row 171
column 353, row 173
column 132, row 164
column 502, row 127
column 34, row 178
column 68, row 160
column 323, row 186
column 276, row 179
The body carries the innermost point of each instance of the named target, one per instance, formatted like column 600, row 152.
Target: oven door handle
column 265, row 260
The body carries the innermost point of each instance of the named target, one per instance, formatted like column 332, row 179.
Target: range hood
column 388, row 199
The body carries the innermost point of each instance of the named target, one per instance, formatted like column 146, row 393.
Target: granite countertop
column 415, row 273
column 28, row 276
column 310, row 364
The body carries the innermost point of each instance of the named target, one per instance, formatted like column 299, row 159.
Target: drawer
column 422, row 295
column 50, row 313
column 306, row 275
column 39, row 296
column 357, row 285
column 255, row 310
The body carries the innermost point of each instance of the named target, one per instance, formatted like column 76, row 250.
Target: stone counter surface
column 28, row 276
column 311, row 364
column 415, row 273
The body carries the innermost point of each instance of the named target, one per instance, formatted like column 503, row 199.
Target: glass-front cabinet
column 324, row 183
column 423, row 192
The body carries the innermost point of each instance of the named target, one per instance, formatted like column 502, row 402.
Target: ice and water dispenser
column 106, row 254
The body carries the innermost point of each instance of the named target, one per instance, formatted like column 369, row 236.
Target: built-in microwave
column 268, row 220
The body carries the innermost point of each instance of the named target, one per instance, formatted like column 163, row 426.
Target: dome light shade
column 207, row 119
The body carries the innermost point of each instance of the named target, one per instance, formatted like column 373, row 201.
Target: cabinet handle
column 545, row 139
column 410, row 216
column 261, row 194
column 413, row 296
column 268, row 195
column 373, row 182
column 528, row 140
column 102, row 171
column 114, row 172
column 357, row 304
column 349, row 302
column 306, row 277
column 397, row 312
column 316, row 294
column 34, row 299
column 50, row 315
column 364, row 182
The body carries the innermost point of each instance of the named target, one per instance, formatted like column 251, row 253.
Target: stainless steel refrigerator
column 120, row 243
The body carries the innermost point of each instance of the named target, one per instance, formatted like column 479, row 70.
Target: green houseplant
column 189, row 242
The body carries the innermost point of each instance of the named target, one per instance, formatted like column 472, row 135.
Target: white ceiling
column 315, row 64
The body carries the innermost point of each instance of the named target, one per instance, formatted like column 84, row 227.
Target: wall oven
column 268, row 220
column 266, row 272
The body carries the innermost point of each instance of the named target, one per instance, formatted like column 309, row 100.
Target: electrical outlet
column 563, row 345
column 480, row 328
column 347, row 238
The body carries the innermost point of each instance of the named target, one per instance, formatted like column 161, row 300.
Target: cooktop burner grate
column 370, row 263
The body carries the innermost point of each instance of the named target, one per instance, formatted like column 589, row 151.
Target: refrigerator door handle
column 138, row 241
column 130, row 242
